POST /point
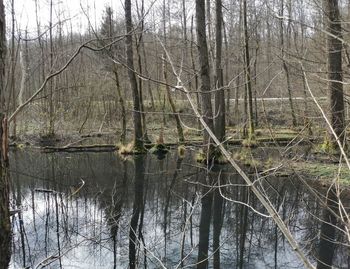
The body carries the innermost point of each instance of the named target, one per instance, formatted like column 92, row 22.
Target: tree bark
column 51, row 130
column 5, row 225
column 285, row 66
column 207, row 112
column 138, row 132
column 248, row 74
column 122, row 106
column 335, row 72
column 219, row 113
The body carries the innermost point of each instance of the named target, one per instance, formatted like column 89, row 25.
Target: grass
column 323, row 171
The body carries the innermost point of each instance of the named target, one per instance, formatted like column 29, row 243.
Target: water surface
column 98, row 210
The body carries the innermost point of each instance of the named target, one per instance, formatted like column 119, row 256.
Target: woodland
column 252, row 88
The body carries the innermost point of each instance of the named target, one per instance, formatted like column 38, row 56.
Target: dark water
column 148, row 213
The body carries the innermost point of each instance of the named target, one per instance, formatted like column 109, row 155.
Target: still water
column 99, row 210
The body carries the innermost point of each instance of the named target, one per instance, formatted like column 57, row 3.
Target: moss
column 201, row 157
column 181, row 150
column 216, row 157
column 130, row 149
column 327, row 147
column 125, row 149
column 20, row 146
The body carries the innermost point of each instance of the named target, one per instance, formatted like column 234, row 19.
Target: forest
column 174, row 134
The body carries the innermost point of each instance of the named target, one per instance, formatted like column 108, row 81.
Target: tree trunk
column 285, row 66
column 219, row 113
column 5, row 225
column 207, row 112
column 138, row 132
column 13, row 68
column 139, row 42
column 335, row 73
column 248, row 74
column 51, row 130
column 180, row 132
column 122, row 106
column 194, row 72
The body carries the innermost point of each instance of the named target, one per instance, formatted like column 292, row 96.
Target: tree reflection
column 212, row 207
column 328, row 231
column 138, row 207
column 5, row 224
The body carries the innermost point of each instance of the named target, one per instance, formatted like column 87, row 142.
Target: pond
column 99, row 210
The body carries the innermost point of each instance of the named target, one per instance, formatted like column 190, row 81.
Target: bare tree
column 138, row 132
column 5, row 225
column 248, row 79
column 219, row 112
column 207, row 111
column 335, row 72
column 284, row 64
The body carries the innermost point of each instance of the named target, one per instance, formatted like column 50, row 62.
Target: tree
column 204, row 69
column 284, row 62
column 220, row 93
column 177, row 118
column 138, row 132
column 108, row 29
column 335, row 73
column 51, row 130
column 248, row 80
column 5, row 225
